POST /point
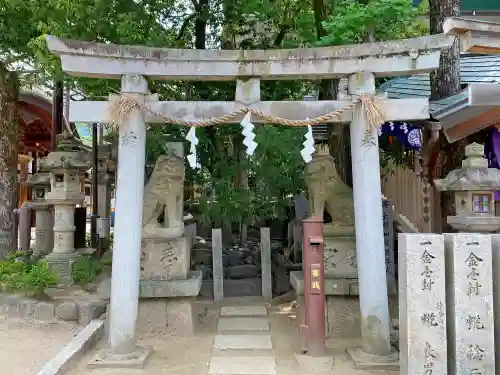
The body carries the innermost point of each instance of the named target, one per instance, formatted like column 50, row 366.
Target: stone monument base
column 365, row 361
column 135, row 360
column 342, row 314
column 167, row 306
column 62, row 263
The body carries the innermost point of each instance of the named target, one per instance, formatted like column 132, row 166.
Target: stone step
column 242, row 366
column 242, row 342
column 232, row 325
column 243, row 311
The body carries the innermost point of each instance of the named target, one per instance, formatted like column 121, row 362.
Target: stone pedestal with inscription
column 495, row 243
column 469, row 282
column 422, row 304
column 167, row 287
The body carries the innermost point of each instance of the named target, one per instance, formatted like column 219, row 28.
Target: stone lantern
column 44, row 234
column 67, row 165
column 474, row 185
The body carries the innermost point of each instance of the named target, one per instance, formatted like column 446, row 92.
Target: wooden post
column 265, row 260
column 313, row 332
column 218, row 267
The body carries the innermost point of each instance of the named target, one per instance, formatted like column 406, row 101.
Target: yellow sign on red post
column 316, row 279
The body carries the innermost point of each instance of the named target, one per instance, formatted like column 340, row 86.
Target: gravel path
column 26, row 346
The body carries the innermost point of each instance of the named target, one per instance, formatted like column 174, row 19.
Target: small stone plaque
column 422, row 304
column 340, row 258
column 470, row 303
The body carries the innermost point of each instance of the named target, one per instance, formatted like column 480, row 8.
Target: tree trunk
column 9, row 145
column 445, row 82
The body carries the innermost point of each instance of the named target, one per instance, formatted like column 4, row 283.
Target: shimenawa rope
column 372, row 106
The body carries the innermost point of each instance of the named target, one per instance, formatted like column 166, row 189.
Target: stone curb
column 82, row 311
column 75, row 349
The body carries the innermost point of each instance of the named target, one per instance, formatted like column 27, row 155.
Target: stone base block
column 365, row 361
column 314, row 363
column 62, row 264
column 135, row 360
column 181, row 317
column 174, row 316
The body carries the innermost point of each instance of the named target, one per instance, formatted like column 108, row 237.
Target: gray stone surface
column 243, row 324
column 495, row 240
column 422, row 304
column 243, row 342
column 89, row 310
column 62, row 264
column 180, row 316
column 469, row 282
column 67, row 311
column 257, row 365
column 314, row 363
column 340, row 257
column 243, row 311
column 165, row 258
column 21, row 309
column 136, row 360
column 44, row 311
column 364, row 361
column 112, row 61
column 172, row 288
column 152, row 317
column 265, row 249
column 217, row 264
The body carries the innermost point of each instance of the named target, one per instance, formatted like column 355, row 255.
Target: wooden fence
column 404, row 188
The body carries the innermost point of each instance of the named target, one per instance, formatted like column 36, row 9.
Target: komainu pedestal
column 167, row 287
column 327, row 192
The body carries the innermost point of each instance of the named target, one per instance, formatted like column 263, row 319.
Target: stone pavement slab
column 243, row 311
column 242, row 366
column 243, row 324
column 243, row 342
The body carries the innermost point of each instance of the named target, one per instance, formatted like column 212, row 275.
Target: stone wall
column 69, row 310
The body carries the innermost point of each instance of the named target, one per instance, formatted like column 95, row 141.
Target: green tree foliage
column 354, row 22
column 234, row 187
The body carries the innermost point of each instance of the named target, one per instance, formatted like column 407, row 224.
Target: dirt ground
column 191, row 356
column 26, row 346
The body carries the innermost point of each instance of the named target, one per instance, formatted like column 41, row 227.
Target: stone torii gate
column 361, row 63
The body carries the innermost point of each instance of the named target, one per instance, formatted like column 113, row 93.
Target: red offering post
column 313, row 329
